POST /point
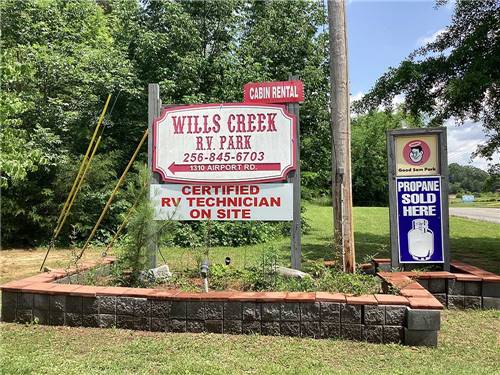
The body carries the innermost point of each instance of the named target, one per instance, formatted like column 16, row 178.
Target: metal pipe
column 115, row 190
column 204, row 268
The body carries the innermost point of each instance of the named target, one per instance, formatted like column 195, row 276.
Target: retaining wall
column 380, row 318
column 466, row 287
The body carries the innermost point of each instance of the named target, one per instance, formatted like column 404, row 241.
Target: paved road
column 485, row 214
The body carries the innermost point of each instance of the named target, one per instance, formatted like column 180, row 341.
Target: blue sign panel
column 467, row 198
column 420, row 234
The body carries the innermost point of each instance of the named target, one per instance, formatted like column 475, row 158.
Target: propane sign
column 271, row 202
column 419, row 219
column 224, row 144
column 418, row 197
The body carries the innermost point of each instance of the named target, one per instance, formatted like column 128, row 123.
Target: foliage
column 61, row 59
column 58, row 63
column 465, row 178
column 214, row 233
column 224, row 277
column 453, row 77
column 197, row 234
column 492, row 183
column 142, row 229
column 369, row 154
column 264, row 277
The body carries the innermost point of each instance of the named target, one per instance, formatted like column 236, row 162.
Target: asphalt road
column 485, row 214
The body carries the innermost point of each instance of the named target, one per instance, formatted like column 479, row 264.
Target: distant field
column 484, row 200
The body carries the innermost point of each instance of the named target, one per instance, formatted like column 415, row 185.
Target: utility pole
column 341, row 134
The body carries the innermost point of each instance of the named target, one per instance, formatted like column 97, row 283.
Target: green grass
column 468, row 341
column 475, row 242
column 468, row 345
column 480, row 204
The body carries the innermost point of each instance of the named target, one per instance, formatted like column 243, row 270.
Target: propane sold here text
column 419, row 197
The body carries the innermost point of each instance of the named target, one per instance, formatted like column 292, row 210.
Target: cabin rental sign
column 224, row 161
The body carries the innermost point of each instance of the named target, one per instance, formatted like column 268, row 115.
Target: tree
column 492, row 183
column 286, row 37
column 61, row 59
column 465, row 178
column 456, row 76
column 59, row 63
column 369, row 154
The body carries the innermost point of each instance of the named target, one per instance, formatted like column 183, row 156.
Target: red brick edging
column 411, row 294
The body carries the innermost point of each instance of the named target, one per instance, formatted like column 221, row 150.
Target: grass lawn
column 472, row 241
column 468, row 345
column 468, row 341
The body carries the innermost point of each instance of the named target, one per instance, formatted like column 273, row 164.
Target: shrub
column 141, row 230
column 227, row 233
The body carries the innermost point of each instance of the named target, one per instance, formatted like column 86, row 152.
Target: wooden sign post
column 154, row 109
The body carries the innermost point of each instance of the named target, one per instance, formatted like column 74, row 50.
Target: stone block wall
column 380, row 318
column 316, row 319
column 467, row 287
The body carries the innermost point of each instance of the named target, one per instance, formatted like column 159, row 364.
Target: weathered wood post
column 296, row 246
column 341, row 134
column 154, row 109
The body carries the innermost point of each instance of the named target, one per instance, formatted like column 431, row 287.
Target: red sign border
column 283, row 175
column 247, row 86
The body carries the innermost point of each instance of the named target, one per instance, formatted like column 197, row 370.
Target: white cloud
column 463, row 141
column 357, row 96
column 422, row 41
column 450, row 5
column 398, row 99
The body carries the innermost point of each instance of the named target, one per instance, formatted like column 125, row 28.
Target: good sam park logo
column 417, row 156
column 416, row 152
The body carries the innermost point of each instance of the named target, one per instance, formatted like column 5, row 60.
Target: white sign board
column 224, row 143
column 269, row 202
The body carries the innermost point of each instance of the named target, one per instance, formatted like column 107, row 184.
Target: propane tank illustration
column 420, row 240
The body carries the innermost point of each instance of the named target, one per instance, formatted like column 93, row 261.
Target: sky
column 381, row 34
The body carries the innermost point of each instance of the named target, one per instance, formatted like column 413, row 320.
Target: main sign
column 270, row 202
column 224, row 143
column 274, row 92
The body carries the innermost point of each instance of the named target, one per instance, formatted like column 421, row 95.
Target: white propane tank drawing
column 420, row 240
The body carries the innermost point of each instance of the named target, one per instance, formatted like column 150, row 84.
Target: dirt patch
column 16, row 264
